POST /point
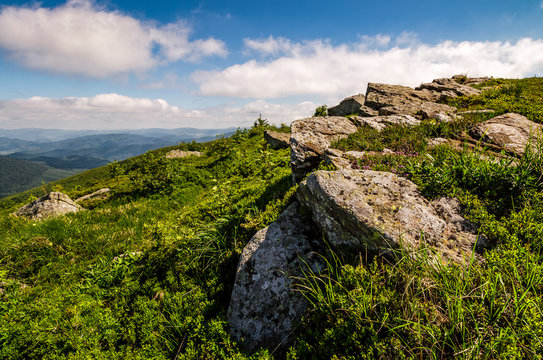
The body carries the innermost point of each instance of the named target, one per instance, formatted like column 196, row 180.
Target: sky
column 121, row 64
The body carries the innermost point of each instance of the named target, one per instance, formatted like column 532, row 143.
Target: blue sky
column 115, row 64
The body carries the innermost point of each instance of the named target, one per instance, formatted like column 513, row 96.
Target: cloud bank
column 114, row 111
column 321, row 68
column 81, row 38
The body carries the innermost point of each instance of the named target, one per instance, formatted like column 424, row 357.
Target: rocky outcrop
column 383, row 95
column 364, row 209
column 381, row 122
column 398, row 100
column 511, row 132
column 310, row 138
column 97, row 195
column 277, row 140
column 182, row 154
column 264, row 308
column 348, row 106
column 52, row 204
column 451, row 87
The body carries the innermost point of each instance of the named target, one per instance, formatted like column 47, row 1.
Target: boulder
column 182, row 154
column 452, row 86
column 264, row 306
column 97, row 195
column 463, row 79
column 511, row 132
column 52, row 204
column 381, row 122
column 382, row 95
column 277, row 140
column 365, row 209
column 309, row 139
column 348, row 106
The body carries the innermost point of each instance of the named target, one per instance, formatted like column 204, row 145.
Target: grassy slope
column 180, row 225
column 147, row 273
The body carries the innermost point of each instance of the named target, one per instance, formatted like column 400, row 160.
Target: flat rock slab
column 97, row 195
column 364, row 209
column 311, row 137
column 52, row 204
column 510, row 131
column 276, row 139
column 264, row 307
column 381, row 122
column 174, row 154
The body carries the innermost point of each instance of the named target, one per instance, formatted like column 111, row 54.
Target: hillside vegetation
column 148, row 272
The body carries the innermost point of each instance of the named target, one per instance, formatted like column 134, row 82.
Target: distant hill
column 18, row 175
column 45, row 155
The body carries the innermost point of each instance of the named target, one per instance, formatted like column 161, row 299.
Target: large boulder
column 451, row 87
column 511, row 132
column 364, row 209
column 276, row 139
column 310, row 138
column 403, row 100
column 52, row 204
column 348, row 106
column 264, row 306
column 383, row 95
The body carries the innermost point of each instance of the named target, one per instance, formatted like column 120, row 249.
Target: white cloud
column 114, row 111
column 269, row 46
column 541, row 5
column 320, row 68
column 81, row 38
column 379, row 40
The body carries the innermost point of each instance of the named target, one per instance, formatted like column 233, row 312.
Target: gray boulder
column 348, row 106
column 309, row 139
column 264, row 307
column 52, row 204
column 382, row 95
column 463, row 79
column 364, row 209
column 511, row 132
column 452, row 86
column 277, row 140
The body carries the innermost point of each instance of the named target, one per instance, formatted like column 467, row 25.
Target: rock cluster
column 52, row 204
column 358, row 210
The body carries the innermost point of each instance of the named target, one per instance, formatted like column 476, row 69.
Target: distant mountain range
column 29, row 157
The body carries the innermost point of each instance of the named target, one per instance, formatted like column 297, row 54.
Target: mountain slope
column 17, row 175
column 148, row 272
